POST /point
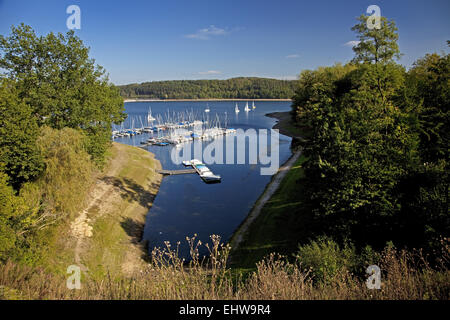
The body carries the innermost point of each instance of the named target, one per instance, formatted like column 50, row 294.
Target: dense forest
column 377, row 145
column 235, row 88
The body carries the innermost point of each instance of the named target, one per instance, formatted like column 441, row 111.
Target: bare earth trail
column 102, row 197
column 107, row 231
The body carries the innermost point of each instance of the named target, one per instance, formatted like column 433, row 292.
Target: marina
column 186, row 203
column 176, row 128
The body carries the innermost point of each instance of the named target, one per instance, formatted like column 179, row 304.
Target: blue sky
column 139, row 41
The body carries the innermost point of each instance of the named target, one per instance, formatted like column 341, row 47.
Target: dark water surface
column 185, row 205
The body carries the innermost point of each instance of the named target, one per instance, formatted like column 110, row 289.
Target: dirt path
column 108, row 230
column 267, row 194
column 101, row 198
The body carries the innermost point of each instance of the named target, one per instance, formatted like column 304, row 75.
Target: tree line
column 377, row 144
column 235, row 88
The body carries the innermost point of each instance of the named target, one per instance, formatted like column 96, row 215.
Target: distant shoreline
column 172, row 100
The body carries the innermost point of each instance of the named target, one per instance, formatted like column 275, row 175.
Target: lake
column 185, row 205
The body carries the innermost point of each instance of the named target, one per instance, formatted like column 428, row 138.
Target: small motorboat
column 210, row 177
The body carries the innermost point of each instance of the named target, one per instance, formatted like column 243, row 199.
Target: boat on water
column 207, row 109
column 210, row 177
column 161, row 143
column 236, row 109
column 150, row 118
column 253, row 105
column 203, row 171
column 206, row 174
column 246, row 109
column 191, row 162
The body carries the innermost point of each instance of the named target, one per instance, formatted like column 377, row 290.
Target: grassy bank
column 104, row 237
column 123, row 194
column 286, row 126
column 283, row 221
column 281, row 225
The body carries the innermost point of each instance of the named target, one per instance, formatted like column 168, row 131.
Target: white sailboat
column 253, row 105
column 236, row 109
column 207, row 109
column 150, row 118
column 246, row 109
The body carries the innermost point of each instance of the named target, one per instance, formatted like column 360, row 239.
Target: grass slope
column 115, row 210
column 282, row 224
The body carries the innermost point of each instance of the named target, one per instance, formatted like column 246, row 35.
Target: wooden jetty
column 173, row 172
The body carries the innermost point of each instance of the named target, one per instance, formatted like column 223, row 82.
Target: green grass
column 115, row 227
column 109, row 246
column 282, row 224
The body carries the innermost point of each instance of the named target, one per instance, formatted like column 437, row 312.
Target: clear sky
column 149, row 40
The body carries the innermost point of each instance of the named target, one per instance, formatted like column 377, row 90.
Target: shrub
column 325, row 259
column 67, row 175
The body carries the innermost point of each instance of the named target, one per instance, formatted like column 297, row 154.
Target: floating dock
column 203, row 171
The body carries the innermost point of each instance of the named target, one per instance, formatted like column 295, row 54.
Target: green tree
column 18, row 131
column 430, row 79
column 376, row 45
column 7, row 213
column 60, row 83
column 361, row 143
column 424, row 192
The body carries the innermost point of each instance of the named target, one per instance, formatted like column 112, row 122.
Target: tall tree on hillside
column 425, row 192
column 430, row 77
column 361, row 143
column 19, row 155
column 376, row 45
column 378, row 49
column 60, row 83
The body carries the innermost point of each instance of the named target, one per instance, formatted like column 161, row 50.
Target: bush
column 67, row 175
column 325, row 259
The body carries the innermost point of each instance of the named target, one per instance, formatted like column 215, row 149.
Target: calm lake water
column 185, row 205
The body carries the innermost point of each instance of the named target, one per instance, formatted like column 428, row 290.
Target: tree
column 361, row 143
column 7, row 213
column 376, row 45
column 424, row 191
column 430, row 78
column 63, row 87
column 19, row 153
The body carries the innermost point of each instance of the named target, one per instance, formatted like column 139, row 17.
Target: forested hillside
column 235, row 88
column 56, row 112
column 377, row 154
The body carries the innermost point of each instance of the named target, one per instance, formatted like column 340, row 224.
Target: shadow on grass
column 132, row 191
column 135, row 229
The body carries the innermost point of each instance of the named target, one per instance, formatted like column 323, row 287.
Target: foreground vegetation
column 405, row 276
column 235, row 88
